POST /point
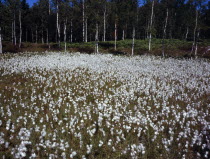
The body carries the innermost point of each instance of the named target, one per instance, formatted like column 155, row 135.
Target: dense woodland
column 104, row 20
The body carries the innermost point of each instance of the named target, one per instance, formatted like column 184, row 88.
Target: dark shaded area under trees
column 55, row 22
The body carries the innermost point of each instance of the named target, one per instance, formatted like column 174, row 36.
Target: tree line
column 104, row 20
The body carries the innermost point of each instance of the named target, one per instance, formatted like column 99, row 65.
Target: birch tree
column 1, row 19
column 57, row 23
column 83, row 20
column 164, row 33
column 133, row 42
column 151, row 23
column 115, row 35
column 96, row 39
column 104, row 38
column 0, row 42
column 20, row 23
column 65, row 23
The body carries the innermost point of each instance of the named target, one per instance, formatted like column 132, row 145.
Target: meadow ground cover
column 56, row 105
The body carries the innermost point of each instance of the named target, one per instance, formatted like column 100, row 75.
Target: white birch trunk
column 164, row 34
column 47, row 39
column 105, row 24
column 115, row 36
column 71, row 31
column 14, row 29
column 151, row 23
column 20, row 21
column 123, row 36
column 96, row 39
column 42, row 37
column 83, row 20
column 186, row 36
column 133, row 43
column 86, row 30
column 196, row 44
column 36, row 35
column 0, row 42
column 12, row 33
column 194, row 38
column 58, row 26
column 65, row 23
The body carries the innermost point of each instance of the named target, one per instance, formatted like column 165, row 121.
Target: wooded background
column 89, row 20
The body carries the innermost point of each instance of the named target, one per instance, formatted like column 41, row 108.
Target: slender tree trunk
column 194, row 38
column 96, row 39
column 196, row 43
column 0, row 42
column 123, row 36
column 47, row 38
column 20, row 21
column 36, row 35
column 86, row 30
column 42, row 36
column 133, row 43
column 49, row 10
column 186, row 36
column 14, row 29
column 83, row 20
column 58, row 26
column 32, row 36
column 71, row 31
column 26, row 35
column 105, row 23
column 48, row 30
column 151, row 23
column 164, row 34
column 115, row 36
column 12, row 33
column 65, row 23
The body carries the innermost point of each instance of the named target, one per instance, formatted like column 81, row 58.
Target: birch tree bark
column 20, row 21
column 133, row 43
column 83, row 20
column 0, row 42
column 12, row 33
column 47, row 39
column 123, row 35
column 96, row 39
column 164, row 34
column 194, row 37
column 14, row 29
column 186, row 36
column 115, row 36
column 104, row 24
column 48, row 29
column 65, row 23
column 57, row 24
column 71, row 31
column 86, row 30
column 36, row 35
column 151, row 23
column 42, row 36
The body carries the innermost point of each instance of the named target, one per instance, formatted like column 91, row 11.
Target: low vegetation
column 174, row 47
column 56, row 105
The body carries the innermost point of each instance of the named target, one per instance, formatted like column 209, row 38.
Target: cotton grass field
column 62, row 105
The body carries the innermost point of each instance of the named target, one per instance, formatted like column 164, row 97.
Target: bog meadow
column 87, row 79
